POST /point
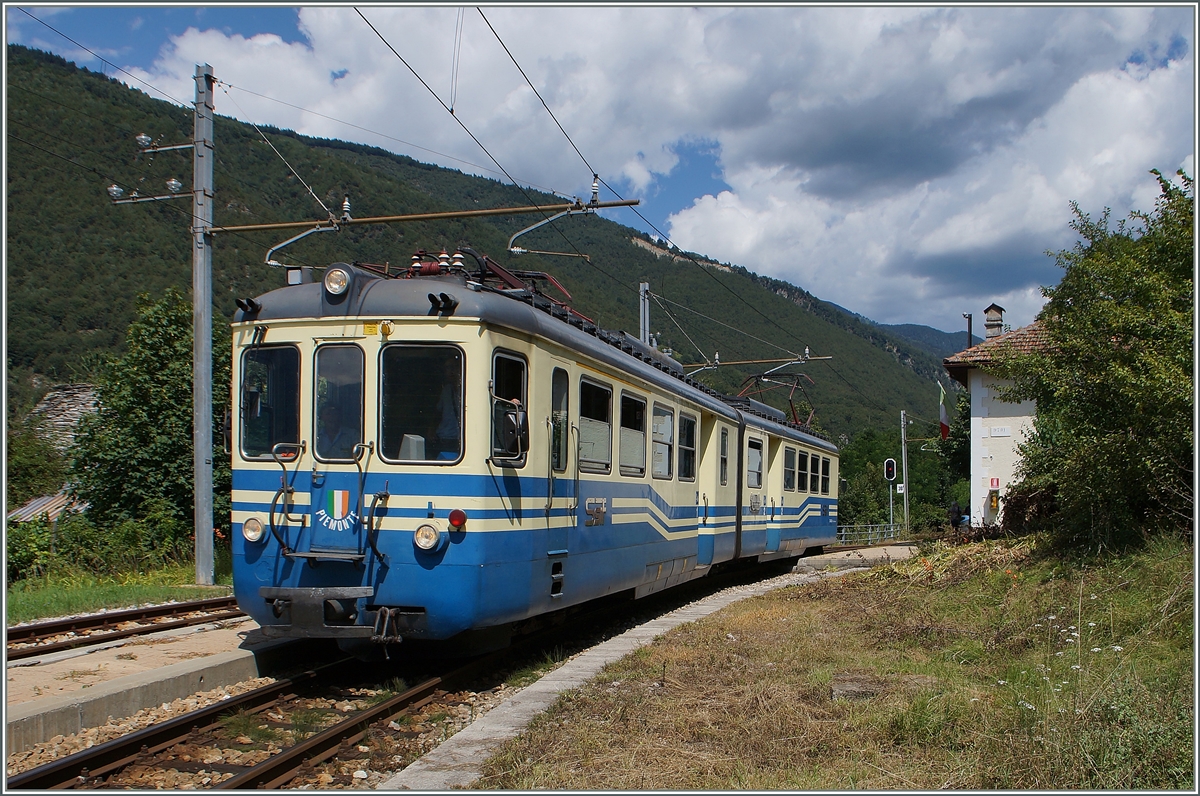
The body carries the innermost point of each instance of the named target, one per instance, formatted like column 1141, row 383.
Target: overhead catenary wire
column 485, row 150
column 192, row 218
column 101, row 59
column 279, row 154
column 615, row 193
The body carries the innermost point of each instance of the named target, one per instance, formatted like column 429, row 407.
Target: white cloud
column 910, row 164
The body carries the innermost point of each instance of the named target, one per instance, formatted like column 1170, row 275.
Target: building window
column 754, row 464
column 633, row 435
column 595, row 427
column 687, row 448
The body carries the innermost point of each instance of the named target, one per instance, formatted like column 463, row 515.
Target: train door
column 560, row 489
column 339, row 452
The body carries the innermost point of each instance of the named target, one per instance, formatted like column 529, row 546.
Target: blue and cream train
column 447, row 449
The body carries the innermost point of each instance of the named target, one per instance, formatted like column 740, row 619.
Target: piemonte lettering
column 337, row 516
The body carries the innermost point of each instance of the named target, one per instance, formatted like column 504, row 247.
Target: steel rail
column 93, row 621
column 111, row 756
column 101, row 627
column 280, row 769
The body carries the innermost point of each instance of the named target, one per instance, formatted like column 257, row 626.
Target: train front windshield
column 421, row 403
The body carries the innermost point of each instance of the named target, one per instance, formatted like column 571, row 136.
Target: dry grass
column 940, row 672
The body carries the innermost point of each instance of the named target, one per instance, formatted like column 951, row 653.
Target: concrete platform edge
column 31, row 723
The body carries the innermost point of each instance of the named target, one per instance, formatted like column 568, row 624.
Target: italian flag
column 943, row 413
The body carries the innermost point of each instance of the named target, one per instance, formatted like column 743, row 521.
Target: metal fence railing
column 867, row 534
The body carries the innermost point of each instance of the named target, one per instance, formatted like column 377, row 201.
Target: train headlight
column 252, row 529
column 427, row 537
column 336, row 281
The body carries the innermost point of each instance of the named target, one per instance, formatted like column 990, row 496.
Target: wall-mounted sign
column 995, row 483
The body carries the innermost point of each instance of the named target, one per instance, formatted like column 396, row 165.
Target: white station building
column 997, row 427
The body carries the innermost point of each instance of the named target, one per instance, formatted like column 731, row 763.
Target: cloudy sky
column 910, row 164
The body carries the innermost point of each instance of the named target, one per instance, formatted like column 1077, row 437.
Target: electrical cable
column 455, row 62
column 192, row 218
column 727, row 326
column 285, row 161
column 102, row 60
column 615, row 193
column 490, row 156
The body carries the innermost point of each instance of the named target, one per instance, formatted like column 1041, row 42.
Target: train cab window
column 825, row 476
column 663, row 434
column 633, row 435
column 508, row 391
column 595, row 427
column 420, row 403
column 687, row 448
column 339, row 383
column 754, row 464
column 724, row 456
column 802, row 472
column 814, row 474
column 789, row 469
column 270, row 399
column 558, row 419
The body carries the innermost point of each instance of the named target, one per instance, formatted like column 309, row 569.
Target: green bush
column 28, row 545
column 37, row 548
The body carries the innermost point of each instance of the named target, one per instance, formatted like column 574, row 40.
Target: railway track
column 181, row 743
column 42, row 638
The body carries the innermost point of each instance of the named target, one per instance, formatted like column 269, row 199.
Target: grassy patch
column 995, row 665
column 63, row 593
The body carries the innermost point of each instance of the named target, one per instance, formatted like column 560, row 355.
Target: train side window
column 687, row 448
column 559, row 406
column 814, row 474
column 420, row 403
column 508, row 386
column 802, row 472
column 270, row 399
column 595, row 427
column 633, row 435
column 663, row 433
column 338, row 382
column 825, row 476
column 789, row 469
column 754, row 464
column 724, row 456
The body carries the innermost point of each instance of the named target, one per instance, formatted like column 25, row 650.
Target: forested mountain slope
column 76, row 262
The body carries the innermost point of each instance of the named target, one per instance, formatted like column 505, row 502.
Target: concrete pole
column 904, row 462
column 202, row 221
column 644, row 312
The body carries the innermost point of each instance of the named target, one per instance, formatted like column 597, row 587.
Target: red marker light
column 458, row 518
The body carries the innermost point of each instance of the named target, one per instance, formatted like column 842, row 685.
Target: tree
column 32, row 467
column 135, row 452
column 1113, row 438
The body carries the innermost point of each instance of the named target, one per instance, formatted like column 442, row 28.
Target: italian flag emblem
column 339, row 503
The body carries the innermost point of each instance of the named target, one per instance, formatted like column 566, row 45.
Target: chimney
column 993, row 321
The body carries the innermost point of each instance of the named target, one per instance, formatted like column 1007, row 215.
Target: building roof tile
column 1025, row 340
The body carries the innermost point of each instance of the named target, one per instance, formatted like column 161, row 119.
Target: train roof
column 455, row 292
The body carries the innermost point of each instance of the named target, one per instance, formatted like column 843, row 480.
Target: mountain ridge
column 76, row 261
